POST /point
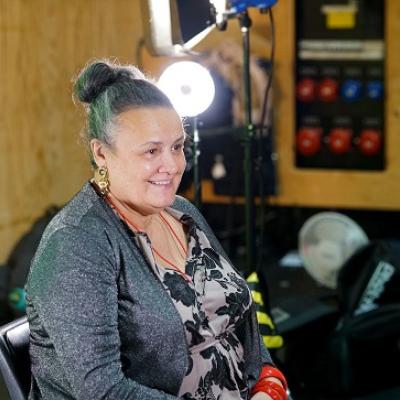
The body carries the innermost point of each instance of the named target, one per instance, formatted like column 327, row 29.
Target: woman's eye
column 151, row 151
column 178, row 147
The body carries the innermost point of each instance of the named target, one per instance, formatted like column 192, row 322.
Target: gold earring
column 101, row 180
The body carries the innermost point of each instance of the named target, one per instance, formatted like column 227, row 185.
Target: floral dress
column 211, row 303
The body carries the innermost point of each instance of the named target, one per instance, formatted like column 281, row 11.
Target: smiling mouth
column 161, row 183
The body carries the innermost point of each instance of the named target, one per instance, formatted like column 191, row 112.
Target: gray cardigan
column 102, row 326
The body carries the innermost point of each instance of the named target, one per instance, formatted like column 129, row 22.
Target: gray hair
column 108, row 89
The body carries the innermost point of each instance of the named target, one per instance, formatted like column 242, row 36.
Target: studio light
column 191, row 89
column 189, row 86
column 225, row 9
column 173, row 27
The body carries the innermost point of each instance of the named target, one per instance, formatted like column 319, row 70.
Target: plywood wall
column 43, row 44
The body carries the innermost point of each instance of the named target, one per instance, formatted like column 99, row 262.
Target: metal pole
column 245, row 23
column 196, row 165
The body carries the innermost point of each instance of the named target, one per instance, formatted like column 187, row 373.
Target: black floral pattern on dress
column 193, row 327
column 232, row 340
column 234, row 305
column 196, row 249
column 219, row 374
column 213, row 255
column 190, row 267
column 214, row 275
column 179, row 289
column 204, row 391
column 211, row 307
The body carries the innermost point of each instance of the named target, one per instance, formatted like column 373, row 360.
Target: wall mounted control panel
column 340, row 84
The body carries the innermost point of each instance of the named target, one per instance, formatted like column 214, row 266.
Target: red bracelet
column 271, row 372
column 268, row 390
column 265, row 386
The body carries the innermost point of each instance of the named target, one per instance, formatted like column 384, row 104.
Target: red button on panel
column 370, row 141
column 328, row 90
column 308, row 141
column 339, row 140
column 306, row 90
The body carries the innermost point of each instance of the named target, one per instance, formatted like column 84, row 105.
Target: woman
column 130, row 295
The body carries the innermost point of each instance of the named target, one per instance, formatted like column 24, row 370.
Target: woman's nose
column 170, row 163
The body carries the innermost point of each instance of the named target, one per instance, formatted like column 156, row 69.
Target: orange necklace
column 136, row 228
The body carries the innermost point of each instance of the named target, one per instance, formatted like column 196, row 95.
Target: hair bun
column 98, row 76
column 93, row 80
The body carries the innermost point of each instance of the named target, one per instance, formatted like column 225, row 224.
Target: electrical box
column 340, row 84
column 350, row 157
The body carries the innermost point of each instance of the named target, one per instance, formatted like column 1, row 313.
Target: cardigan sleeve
column 73, row 289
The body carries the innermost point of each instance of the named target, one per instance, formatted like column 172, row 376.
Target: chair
column 14, row 358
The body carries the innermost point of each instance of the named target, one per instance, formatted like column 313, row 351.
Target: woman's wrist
column 261, row 396
column 271, row 382
column 268, row 372
column 274, row 390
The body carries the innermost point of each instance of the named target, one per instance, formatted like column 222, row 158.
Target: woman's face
column 146, row 161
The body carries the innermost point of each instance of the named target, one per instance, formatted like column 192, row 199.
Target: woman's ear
column 98, row 151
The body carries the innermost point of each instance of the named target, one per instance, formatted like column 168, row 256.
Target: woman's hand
column 264, row 396
column 260, row 396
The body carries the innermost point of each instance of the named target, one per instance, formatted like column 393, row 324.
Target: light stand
column 245, row 23
column 196, row 164
column 239, row 10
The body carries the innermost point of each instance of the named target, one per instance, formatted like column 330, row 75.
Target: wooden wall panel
column 43, row 44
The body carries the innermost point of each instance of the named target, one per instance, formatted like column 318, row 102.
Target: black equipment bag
column 356, row 351
column 371, row 278
column 364, row 349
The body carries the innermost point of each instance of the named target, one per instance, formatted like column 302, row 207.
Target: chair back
column 14, row 358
